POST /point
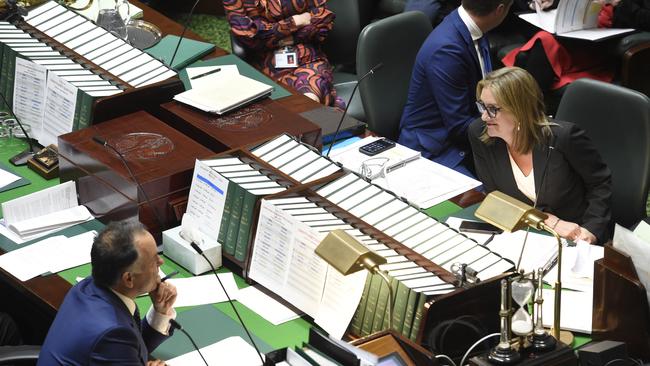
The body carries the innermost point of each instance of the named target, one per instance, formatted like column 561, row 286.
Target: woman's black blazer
column 577, row 183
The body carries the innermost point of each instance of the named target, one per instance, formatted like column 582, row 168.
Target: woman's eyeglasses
column 491, row 110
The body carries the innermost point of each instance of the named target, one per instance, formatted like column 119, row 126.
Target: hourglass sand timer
column 503, row 353
column 522, row 291
column 541, row 341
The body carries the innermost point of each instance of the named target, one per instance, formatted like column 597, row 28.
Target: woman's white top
column 526, row 184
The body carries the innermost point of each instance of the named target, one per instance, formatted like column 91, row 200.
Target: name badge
column 286, row 58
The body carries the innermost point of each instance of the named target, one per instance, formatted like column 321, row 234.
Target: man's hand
column 303, row 19
column 156, row 363
column 163, row 298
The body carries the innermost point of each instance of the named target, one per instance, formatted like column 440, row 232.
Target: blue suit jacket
column 442, row 94
column 93, row 327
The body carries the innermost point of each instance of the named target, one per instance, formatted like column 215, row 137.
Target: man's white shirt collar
column 130, row 304
column 474, row 30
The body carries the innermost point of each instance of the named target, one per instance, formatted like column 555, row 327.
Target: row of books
column 24, row 65
column 56, row 64
column 247, row 182
column 311, row 197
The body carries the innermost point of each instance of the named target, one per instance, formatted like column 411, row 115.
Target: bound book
column 574, row 19
column 225, row 94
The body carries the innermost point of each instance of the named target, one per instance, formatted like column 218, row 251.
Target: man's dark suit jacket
column 93, row 327
column 442, row 94
column 577, row 187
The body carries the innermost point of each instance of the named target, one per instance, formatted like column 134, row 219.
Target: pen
column 489, row 240
column 206, row 74
column 169, row 276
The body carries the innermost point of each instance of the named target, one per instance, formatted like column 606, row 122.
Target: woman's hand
column 302, row 20
column 587, row 236
column 566, row 229
column 543, row 4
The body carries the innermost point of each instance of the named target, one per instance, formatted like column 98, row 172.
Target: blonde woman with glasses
column 551, row 164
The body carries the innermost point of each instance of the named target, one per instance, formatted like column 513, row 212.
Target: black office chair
column 19, row 355
column 393, row 41
column 617, row 120
column 341, row 50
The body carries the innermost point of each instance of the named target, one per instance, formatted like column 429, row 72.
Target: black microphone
column 176, row 325
column 338, row 128
column 214, row 271
column 21, row 158
column 102, row 141
column 180, row 39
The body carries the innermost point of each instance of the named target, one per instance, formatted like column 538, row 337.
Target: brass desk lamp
column 511, row 215
column 347, row 255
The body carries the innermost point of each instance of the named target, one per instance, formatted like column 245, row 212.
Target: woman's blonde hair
column 516, row 91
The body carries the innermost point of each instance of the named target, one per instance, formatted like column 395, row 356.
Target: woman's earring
column 518, row 126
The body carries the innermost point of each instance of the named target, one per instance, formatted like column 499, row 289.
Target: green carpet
column 212, row 28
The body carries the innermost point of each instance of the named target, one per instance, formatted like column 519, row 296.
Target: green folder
column 188, row 52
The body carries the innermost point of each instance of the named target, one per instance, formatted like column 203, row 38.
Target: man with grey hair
column 99, row 321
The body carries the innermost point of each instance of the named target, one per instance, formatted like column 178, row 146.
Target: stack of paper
column 221, row 90
column 43, row 212
column 53, row 254
column 403, row 171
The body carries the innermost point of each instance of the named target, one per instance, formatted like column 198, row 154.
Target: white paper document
column 54, row 220
column 28, row 262
column 341, row 293
column 200, row 290
column 265, row 306
column 207, row 199
column 230, row 351
column 576, row 312
column 638, row 249
column 574, row 19
column 540, row 249
column 29, row 94
column 210, row 73
column 53, row 254
column 375, row 165
column 284, row 261
column 6, row 178
column 577, row 267
column 60, row 106
column 40, row 203
column 227, row 93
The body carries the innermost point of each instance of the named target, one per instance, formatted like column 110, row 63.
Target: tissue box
column 180, row 251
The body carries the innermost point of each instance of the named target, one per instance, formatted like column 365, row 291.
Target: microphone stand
column 176, row 325
column 180, row 38
column 21, row 158
column 214, row 271
column 105, row 143
column 345, row 112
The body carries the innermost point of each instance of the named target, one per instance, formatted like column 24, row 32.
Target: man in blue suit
column 442, row 90
column 99, row 322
